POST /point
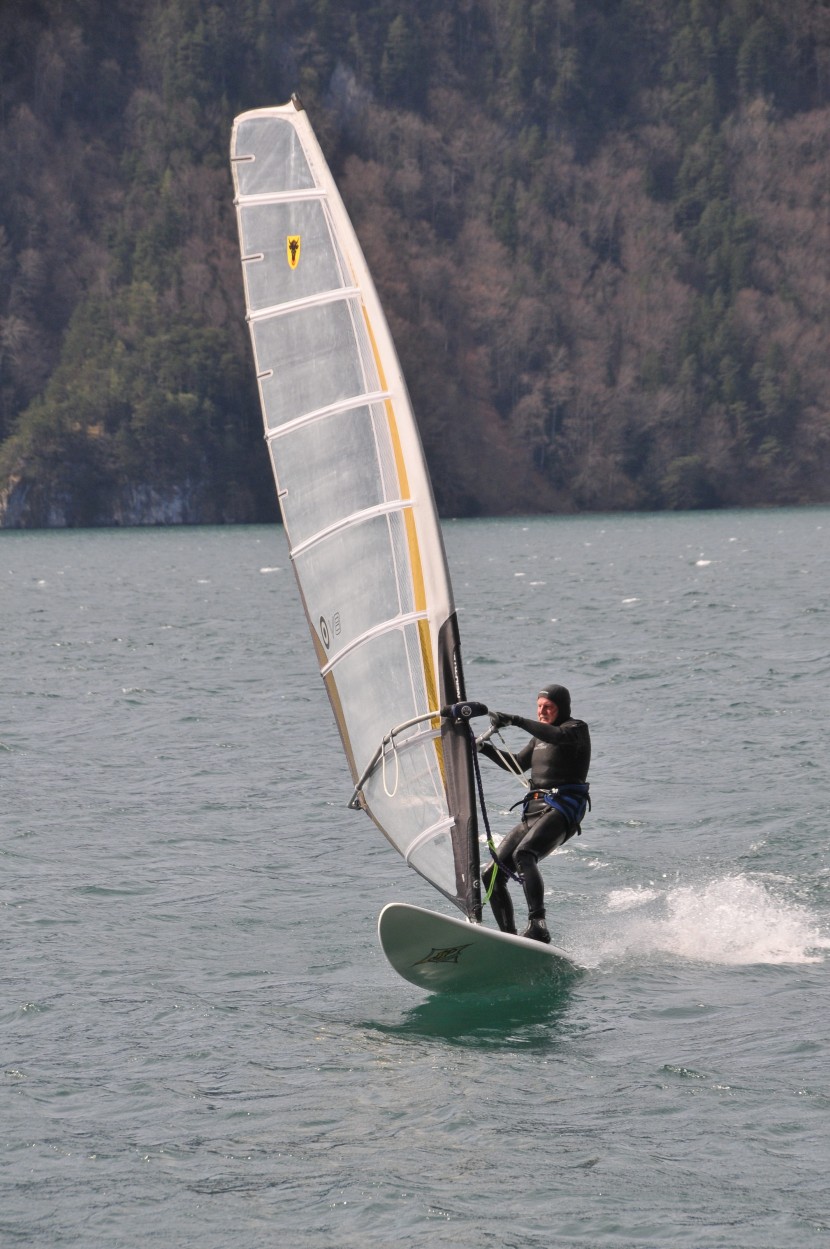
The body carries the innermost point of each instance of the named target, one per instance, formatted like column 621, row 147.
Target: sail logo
column 449, row 954
column 325, row 631
column 292, row 250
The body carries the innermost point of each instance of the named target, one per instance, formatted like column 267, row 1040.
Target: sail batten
column 278, row 197
column 442, row 827
column 356, row 518
column 325, row 412
column 376, row 396
column 364, row 539
column 311, row 301
column 386, row 626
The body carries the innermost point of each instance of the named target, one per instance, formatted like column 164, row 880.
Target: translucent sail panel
column 405, row 797
column 276, row 274
column 269, row 156
column 356, row 581
column 312, row 358
column 382, row 684
column 433, row 858
column 333, row 467
column 405, row 793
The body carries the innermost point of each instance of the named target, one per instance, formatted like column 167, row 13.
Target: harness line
column 491, row 845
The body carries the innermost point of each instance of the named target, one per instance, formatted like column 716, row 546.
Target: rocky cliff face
column 25, row 505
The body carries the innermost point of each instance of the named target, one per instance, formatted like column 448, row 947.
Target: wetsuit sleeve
column 520, row 759
column 554, row 734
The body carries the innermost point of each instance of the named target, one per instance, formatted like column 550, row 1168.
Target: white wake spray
column 733, row 921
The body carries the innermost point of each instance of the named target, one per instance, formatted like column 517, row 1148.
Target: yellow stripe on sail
column 418, row 587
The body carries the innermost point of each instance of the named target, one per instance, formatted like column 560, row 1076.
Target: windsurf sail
column 356, row 500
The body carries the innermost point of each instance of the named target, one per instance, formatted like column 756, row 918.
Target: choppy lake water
column 202, row 1043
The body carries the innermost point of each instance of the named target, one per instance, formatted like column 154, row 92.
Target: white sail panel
column 272, row 280
column 268, row 158
column 337, row 458
column 306, row 360
column 327, row 569
column 356, row 499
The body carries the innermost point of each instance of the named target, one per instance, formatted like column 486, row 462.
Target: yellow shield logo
column 292, row 250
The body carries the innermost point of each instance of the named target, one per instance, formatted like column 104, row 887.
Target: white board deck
column 449, row 955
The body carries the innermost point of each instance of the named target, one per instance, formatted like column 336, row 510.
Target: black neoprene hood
column 559, row 695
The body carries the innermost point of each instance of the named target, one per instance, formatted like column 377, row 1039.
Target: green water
column 202, row 1043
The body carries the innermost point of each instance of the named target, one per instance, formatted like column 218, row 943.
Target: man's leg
column 500, row 900
column 548, row 832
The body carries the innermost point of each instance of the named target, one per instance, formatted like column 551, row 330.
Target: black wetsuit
column 558, row 756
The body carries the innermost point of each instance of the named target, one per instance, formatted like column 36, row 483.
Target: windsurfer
column 558, row 755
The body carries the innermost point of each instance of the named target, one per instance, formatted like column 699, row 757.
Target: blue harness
column 571, row 800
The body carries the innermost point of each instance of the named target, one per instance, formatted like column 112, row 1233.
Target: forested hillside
column 601, row 230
